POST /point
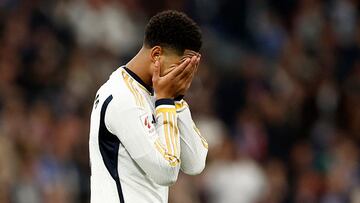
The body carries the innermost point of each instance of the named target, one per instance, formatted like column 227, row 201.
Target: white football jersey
column 138, row 144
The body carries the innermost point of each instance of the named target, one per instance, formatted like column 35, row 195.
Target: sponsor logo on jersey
column 148, row 122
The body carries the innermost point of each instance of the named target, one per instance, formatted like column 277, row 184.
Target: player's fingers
column 195, row 69
column 197, row 64
column 188, row 80
column 156, row 73
column 179, row 69
column 188, row 69
column 192, row 74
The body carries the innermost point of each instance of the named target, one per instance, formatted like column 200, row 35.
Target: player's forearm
column 158, row 169
column 167, row 145
column 193, row 151
column 146, row 143
column 167, row 127
column 193, row 146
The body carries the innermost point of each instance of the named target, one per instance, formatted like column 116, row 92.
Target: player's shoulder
column 118, row 87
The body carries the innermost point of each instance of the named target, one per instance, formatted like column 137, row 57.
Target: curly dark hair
column 173, row 29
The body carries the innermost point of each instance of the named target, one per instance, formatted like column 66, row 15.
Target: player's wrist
column 164, row 101
column 163, row 97
column 179, row 98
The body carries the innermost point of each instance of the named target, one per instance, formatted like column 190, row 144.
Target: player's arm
column 157, row 152
column 158, row 156
column 193, row 146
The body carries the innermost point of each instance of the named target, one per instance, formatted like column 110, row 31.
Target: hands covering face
column 178, row 80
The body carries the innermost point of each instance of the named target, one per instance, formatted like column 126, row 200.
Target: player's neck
column 139, row 66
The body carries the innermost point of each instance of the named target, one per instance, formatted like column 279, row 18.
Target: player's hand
column 175, row 82
column 191, row 77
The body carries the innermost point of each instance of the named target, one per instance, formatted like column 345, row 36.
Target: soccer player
column 141, row 131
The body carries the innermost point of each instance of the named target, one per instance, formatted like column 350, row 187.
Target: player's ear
column 155, row 53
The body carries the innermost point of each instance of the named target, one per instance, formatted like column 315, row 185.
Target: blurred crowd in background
column 277, row 96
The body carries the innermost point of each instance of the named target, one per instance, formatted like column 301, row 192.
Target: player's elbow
column 168, row 182
column 168, row 179
column 167, row 173
column 195, row 169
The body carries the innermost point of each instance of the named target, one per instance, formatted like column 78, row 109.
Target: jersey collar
column 138, row 79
